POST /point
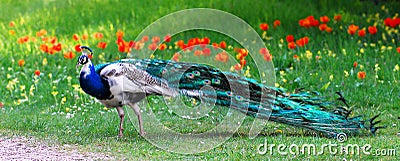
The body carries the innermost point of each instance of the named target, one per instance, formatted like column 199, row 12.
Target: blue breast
column 94, row 85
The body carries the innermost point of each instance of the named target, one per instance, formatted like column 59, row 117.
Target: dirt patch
column 27, row 148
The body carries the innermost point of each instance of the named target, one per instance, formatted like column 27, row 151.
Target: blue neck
column 94, row 85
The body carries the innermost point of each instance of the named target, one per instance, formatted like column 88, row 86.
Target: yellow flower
column 377, row 68
column 372, row 44
column 277, row 85
column 54, row 93
column 67, row 109
column 309, row 54
column 44, row 62
column 362, row 50
column 22, row 87
column 63, row 100
column 396, row 68
column 331, row 77
column 361, row 67
column 346, row 73
column 31, row 90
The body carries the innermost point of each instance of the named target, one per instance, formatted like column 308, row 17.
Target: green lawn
column 52, row 106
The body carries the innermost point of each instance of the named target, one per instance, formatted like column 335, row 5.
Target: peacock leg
column 121, row 116
column 136, row 108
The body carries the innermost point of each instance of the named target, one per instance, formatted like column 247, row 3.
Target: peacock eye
column 239, row 98
column 190, row 75
column 206, row 81
column 216, row 81
column 196, row 73
column 229, row 93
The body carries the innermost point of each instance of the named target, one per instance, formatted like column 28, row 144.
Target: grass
column 50, row 106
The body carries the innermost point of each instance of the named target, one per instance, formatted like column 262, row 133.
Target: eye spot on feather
column 229, row 93
column 239, row 98
column 190, row 75
column 216, row 81
column 207, row 82
column 196, row 73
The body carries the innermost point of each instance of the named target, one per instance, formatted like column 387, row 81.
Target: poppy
column 264, row 26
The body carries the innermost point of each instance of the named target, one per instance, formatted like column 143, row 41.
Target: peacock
column 128, row 81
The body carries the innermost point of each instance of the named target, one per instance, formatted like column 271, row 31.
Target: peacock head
column 84, row 58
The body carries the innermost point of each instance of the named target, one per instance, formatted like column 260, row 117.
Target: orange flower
column 264, row 26
column 21, row 62
column 11, row 32
column 198, row 52
column 75, row 37
column 242, row 62
column 98, row 35
column 176, row 57
column 222, row 57
column 361, row 75
column 328, row 29
column 352, row 29
column 292, row 45
column 11, row 24
column 290, row 38
column 145, row 38
column 323, row 27
column 222, row 44
column 155, row 39
column 398, row 49
column 52, row 39
column 85, row 36
column 361, row 33
column 23, row 39
column 267, row 57
column 181, row 44
column 41, row 33
column 37, row 72
column 324, row 19
column 102, row 45
column 296, row 57
column 120, row 34
column 152, row 46
column 44, row 48
column 162, row 46
column 57, row 47
column 69, row 55
column 167, row 38
column 238, row 67
column 277, row 23
column 337, row 17
column 355, row 64
column 78, row 48
column 372, row 30
column 308, row 22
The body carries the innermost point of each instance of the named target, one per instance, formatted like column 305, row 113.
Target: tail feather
column 301, row 109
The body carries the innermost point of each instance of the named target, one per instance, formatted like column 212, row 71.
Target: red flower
column 296, row 57
column 37, row 72
column 238, row 67
column 222, row 44
column 337, row 17
column 392, row 22
column 308, row 22
column 398, row 49
column 324, row 19
column 290, row 38
column 167, row 38
column 78, row 48
column 355, row 64
column 352, row 29
column 69, row 55
column 323, row 27
column 145, row 38
column 361, row 75
column 75, row 37
column 181, row 44
column 1, row 105
column 119, row 34
column 21, row 62
column 162, row 46
column 372, row 30
column 264, row 26
column 44, row 48
column 268, row 57
column 242, row 62
column 52, row 39
column 222, row 57
column 291, row 45
column 98, row 35
column 264, row 51
column 361, row 33
column 206, row 52
column 277, row 23
column 152, row 46
column 155, row 39
column 302, row 41
column 102, row 45
column 57, row 47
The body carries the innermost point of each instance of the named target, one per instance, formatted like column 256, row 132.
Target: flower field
column 348, row 47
